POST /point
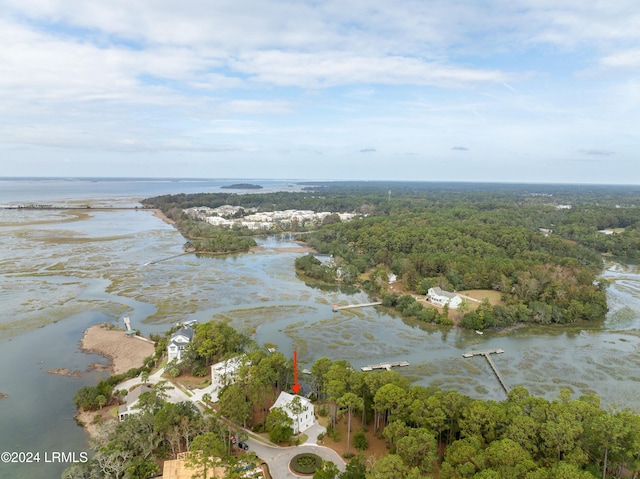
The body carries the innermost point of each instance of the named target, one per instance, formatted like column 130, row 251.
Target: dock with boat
column 487, row 354
column 386, row 366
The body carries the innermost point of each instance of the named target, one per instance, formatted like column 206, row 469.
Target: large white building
column 440, row 297
column 224, row 373
column 302, row 421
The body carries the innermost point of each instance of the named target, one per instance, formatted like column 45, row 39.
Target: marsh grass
column 423, row 369
column 30, row 322
column 452, row 368
column 296, row 325
column 481, row 390
column 331, row 322
column 58, row 217
column 472, row 368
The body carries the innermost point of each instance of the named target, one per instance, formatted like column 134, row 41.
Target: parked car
column 243, row 445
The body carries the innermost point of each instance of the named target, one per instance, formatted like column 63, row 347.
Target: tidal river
column 61, row 272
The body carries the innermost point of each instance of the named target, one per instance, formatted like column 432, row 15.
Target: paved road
column 277, row 458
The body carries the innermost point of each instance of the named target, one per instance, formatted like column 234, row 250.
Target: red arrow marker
column 296, row 386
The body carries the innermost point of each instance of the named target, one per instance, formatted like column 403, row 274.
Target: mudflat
column 123, row 351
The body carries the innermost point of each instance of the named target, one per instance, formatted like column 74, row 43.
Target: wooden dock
column 487, row 354
column 386, row 366
column 165, row 259
column 336, row 308
column 483, row 353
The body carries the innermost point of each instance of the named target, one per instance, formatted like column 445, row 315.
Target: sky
column 432, row 90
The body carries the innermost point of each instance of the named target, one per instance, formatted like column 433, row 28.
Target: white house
column 440, row 297
column 302, row 421
column 224, row 374
column 178, row 341
column 131, row 405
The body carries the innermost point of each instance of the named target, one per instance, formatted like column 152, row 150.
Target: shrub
column 333, row 433
column 360, row 441
column 306, row 463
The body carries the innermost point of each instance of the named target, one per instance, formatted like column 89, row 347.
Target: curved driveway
column 278, row 458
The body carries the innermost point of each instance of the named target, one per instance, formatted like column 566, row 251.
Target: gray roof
column 441, row 292
column 135, row 393
column 186, row 332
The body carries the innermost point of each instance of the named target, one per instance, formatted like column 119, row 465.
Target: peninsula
column 242, row 186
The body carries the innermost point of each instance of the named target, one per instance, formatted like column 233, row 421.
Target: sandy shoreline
column 123, row 352
column 159, row 214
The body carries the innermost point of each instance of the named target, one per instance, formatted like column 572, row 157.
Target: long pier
column 487, row 354
column 165, row 259
column 386, row 366
column 335, row 307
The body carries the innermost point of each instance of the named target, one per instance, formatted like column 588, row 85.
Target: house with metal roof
column 440, row 297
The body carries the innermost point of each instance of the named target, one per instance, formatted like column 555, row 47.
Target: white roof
column 230, row 365
column 440, row 292
column 285, row 399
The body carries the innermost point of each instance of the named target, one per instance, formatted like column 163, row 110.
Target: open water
column 61, row 272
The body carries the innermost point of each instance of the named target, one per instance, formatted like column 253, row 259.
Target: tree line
column 592, row 208
column 433, row 433
column 428, row 432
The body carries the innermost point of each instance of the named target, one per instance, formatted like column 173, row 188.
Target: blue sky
column 470, row 90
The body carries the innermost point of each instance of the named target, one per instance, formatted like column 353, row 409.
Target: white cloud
column 259, row 107
column 329, row 69
column 409, row 76
column 622, row 59
column 596, row 152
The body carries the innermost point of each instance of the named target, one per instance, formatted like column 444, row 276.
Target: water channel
column 61, row 272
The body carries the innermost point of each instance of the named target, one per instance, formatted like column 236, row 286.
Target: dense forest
column 540, row 246
column 593, row 208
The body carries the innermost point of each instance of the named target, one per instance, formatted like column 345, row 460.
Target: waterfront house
column 177, row 342
column 440, row 297
column 131, row 404
column 301, row 421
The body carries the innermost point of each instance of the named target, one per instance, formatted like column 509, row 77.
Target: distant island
column 242, row 186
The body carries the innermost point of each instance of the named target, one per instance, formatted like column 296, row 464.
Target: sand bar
column 123, row 352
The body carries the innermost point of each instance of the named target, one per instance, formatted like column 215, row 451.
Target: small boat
column 479, row 332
